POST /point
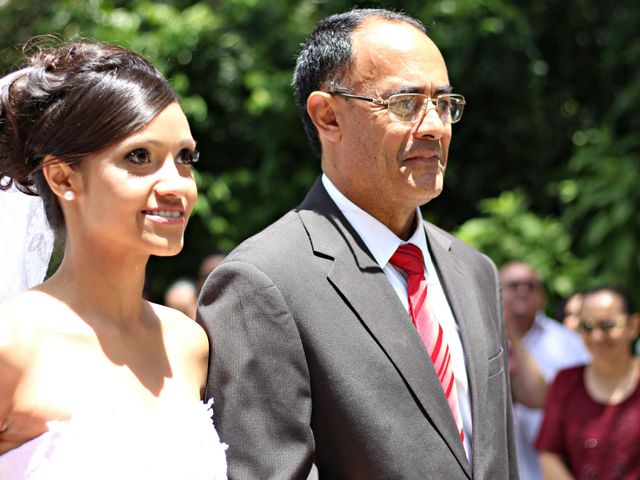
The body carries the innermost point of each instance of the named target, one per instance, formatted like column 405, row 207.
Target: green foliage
column 553, row 95
column 602, row 201
column 600, row 195
column 508, row 231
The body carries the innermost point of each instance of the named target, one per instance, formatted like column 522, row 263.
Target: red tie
column 409, row 258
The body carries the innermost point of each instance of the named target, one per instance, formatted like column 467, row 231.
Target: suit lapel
column 375, row 302
column 463, row 301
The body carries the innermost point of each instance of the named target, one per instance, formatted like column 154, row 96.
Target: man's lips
column 432, row 152
column 427, row 160
column 429, row 156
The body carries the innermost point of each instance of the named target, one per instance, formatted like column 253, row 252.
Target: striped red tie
column 409, row 258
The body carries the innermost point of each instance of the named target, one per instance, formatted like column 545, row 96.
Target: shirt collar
column 381, row 242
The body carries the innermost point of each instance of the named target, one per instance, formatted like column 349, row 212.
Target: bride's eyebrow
column 156, row 142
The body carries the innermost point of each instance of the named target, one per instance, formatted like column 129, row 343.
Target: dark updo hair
column 70, row 102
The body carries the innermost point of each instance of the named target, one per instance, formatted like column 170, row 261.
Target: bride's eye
column 139, row 156
column 188, row 157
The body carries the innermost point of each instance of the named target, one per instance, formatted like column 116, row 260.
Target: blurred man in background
column 547, row 342
column 182, row 295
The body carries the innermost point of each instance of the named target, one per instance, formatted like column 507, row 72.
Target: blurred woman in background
column 591, row 427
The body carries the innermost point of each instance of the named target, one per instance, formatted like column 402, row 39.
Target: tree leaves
column 549, row 134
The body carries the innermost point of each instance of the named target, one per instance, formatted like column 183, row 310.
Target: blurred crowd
column 574, row 380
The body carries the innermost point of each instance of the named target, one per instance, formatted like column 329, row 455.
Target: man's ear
column 320, row 107
column 61, row 177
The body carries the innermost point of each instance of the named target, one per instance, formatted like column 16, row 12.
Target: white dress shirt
column 382, row 243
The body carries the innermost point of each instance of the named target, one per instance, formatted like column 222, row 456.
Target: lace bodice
column 173, row 441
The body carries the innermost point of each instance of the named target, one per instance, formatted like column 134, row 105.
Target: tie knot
column 408, row 257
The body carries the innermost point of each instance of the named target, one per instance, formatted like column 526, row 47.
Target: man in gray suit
column 330, row 357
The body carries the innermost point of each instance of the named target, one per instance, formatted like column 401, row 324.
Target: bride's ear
column 64, row 181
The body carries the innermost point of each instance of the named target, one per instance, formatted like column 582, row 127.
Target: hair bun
column 14, row 168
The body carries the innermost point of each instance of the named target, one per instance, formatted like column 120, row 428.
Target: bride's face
column 139, row 193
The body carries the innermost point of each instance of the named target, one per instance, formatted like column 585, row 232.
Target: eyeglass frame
column 530, row 285
column 605, row 326
column 429, row 99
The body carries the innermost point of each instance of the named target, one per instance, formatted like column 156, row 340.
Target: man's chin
column 428, row 192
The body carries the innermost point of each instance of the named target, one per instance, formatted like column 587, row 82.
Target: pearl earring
column 69, row 195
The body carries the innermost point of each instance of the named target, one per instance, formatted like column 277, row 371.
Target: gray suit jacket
column 317, row 371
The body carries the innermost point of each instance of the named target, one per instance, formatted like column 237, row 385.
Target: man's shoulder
column 280, row 235
column 291, row 234
column 457, row 246
column 281, row 246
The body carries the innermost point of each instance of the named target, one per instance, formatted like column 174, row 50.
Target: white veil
column 26, row 239
column 26, row 242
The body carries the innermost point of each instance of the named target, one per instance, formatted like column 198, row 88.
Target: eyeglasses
column 529, row 285
column 605, row 326
column 409, row 107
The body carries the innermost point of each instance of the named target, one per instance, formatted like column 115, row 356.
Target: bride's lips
column 165, row 215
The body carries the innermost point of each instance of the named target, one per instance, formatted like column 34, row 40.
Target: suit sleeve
column 258, row 375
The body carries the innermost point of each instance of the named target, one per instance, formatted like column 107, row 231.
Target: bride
column 96, row 382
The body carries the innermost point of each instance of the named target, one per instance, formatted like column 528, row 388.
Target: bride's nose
column 171, row 181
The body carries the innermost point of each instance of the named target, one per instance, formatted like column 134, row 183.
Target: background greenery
column 544, row 167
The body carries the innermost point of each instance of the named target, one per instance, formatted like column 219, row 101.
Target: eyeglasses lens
column 451, row 107
column 408, row 108
column 604, row 326
column 527, row 285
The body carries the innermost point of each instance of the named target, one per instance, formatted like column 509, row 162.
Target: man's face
column 522, row 294
column 383, row 166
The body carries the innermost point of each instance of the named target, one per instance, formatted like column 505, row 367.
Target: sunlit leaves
column 509, row 230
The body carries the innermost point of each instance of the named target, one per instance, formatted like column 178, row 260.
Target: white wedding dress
column 175, row 441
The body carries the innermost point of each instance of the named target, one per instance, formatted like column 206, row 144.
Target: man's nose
column 430, row 125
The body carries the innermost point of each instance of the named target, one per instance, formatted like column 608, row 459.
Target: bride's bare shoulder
column 187, row 345
column 25, row 318
column 180, row 327
column 20, row 331
column 21, row 309
column 19, row 317
column 28, row 309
